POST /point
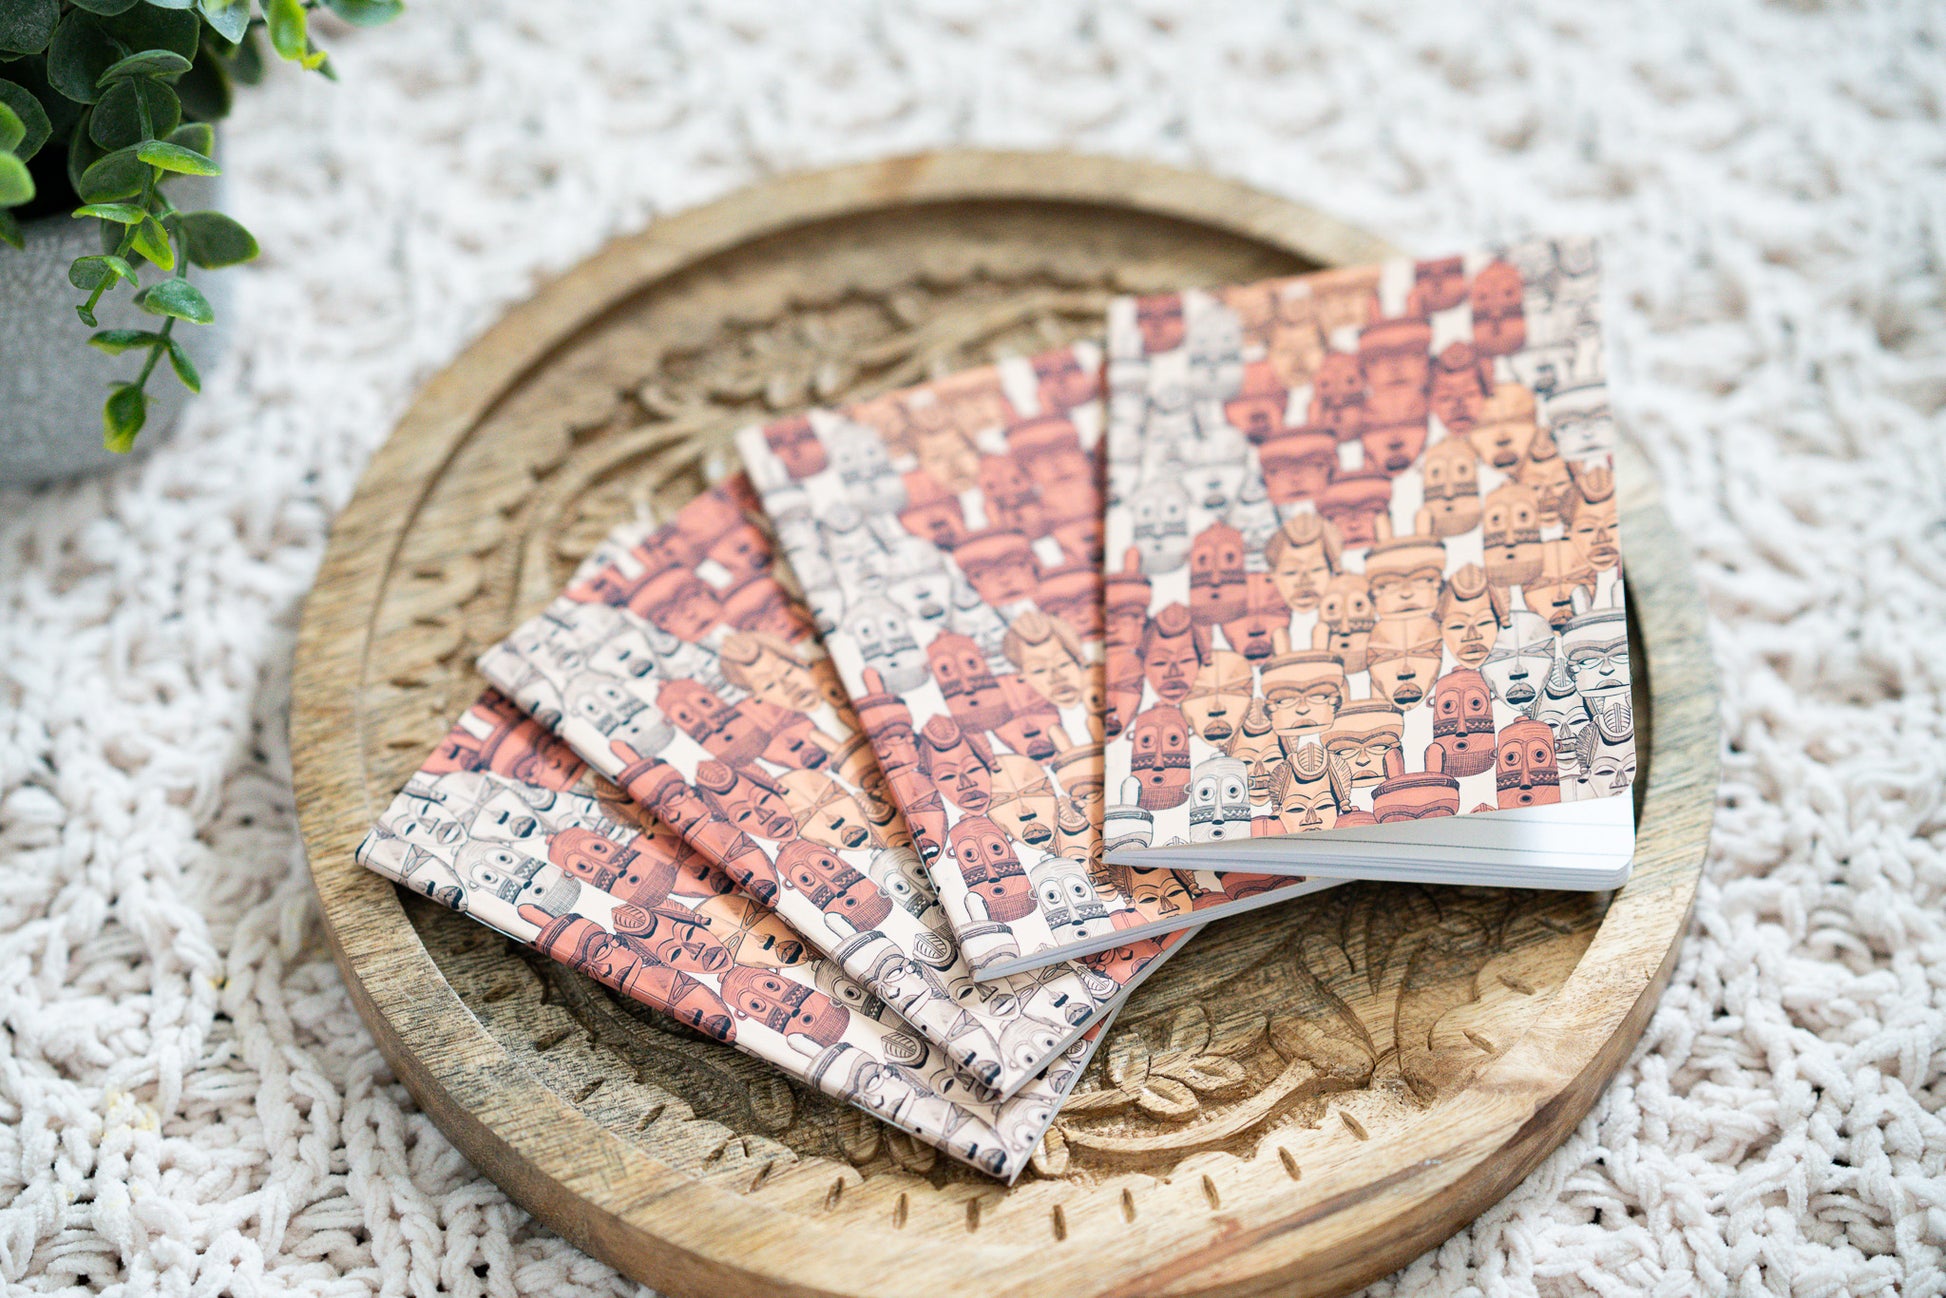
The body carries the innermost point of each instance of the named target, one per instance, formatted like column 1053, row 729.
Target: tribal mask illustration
column 1462, row 723
column 1525, row 770
column 1161, row 756
column 990, row 868
column 1217, row 584
column 1595, row 647
column 833, row 887
column 1161, row 511
column 785, row 1007
column 1219, row 800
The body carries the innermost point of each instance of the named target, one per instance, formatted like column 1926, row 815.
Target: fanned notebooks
column 947, row 539
column 503, row 823
column 1365, row 580
column 677, row 666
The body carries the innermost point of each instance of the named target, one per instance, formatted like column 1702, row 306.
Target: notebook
column 503, row 823
column 677, row 666
column 947, row 538
column 1365, row 608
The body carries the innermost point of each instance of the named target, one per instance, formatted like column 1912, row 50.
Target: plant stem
column 169, row 322
column 155, row 353
column 102, row 287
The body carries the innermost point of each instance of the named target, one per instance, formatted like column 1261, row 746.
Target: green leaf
column 33, row 119
column 30, row 75
column 200, row 136
column 366, row 13
column 122, row 417
column 118, row 116
column 12, row 129
column 16, row 185
column 106, row 8
column 77, row 56
column 173, row 157
column 119, row 213
column 83, row 152
column 289, row 28
column 90, row 273
column 117, row 341
column 147, row 27
column 205, row 90
column 229, row 19
column 173, row 4
column 153, row 244
column 178, row 298
column 216, row 241
column 113, row 176
column 148, row 63
column 247, row 64
column 185, row 368
column 27, row 25
column 10, row 230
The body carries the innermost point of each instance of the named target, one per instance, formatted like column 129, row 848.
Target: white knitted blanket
column 189, row 1104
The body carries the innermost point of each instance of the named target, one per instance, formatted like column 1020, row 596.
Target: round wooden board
column 1301, row 1101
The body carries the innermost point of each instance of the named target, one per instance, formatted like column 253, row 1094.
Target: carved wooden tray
column 1302, row 1101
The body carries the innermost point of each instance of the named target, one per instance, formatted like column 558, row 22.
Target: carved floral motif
column 1401, row 990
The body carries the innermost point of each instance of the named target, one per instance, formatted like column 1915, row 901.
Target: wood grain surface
column 1301, row 1102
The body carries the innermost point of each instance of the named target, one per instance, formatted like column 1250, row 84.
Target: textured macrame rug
column 189, row 1104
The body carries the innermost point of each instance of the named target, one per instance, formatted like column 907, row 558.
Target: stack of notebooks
column 900, row 758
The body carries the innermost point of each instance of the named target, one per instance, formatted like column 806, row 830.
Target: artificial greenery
column 131, row 87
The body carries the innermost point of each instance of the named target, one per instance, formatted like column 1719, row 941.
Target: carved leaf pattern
column 773, row 1102
column 1463, row 940
column 1050, row 1157
column 912, row 1155
column 1170, row 1084
column 1390, row 928
column 1130, row 1067
column 1190, row 1060
column 1340, row 1052
column 1336, row 1043
column 858, row 1135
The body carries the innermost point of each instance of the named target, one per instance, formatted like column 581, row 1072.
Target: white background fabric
column 188, row 1103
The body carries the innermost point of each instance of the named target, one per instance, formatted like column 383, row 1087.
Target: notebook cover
column 1365, row 559
column 947, row 538
column 505, row 824
column 679, row 667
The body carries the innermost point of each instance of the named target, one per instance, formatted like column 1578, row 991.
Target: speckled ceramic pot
column 52, row 383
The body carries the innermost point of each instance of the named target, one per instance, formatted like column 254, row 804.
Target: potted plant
column 108, row 196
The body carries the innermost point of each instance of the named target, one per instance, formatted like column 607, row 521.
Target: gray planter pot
column 52, row 383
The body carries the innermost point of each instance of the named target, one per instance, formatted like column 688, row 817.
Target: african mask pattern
column 652, row 923
column 995, row 755
column 1445, row 566
column 758, row 762
column 1219, row 800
